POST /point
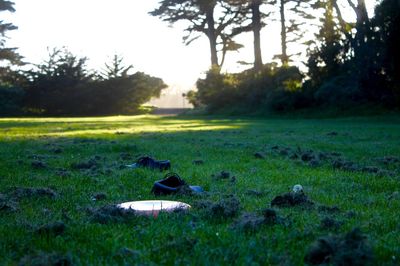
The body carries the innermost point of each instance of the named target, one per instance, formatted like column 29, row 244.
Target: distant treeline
column 63, row 85
column 349, row 63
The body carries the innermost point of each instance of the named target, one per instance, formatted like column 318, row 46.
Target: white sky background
column 98, row 29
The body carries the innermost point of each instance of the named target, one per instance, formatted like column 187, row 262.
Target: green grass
column 223, row 144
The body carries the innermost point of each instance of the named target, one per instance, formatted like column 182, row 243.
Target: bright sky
column 98, row 29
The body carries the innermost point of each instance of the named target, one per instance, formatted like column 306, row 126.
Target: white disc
column 153, row 207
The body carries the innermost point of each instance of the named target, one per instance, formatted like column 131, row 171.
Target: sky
column 98, row 29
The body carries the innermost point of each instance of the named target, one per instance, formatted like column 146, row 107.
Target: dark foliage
column 63, row 86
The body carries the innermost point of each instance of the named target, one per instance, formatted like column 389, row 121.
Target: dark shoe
column 171, row 184
column 149, row 162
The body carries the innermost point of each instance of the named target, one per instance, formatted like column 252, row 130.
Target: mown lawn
column 349, row 168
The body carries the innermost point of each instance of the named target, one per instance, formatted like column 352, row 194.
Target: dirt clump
column 225, row 208
column 248, row 222
column 51, row 259
column 99, row 196
column 292, row 199
column 7, row 205
column 90, row 164
column 252, row 221
column 314, row 163
column 36, row 164
column 128, row 254
column 349, row 249
column 328, row 209
column 27, row 192
column 255, row 193
column 333, row 133
column 125, row 156
column 259, row 155
column 198, row 162
column 345, row 165
column 56, row 150
column 387, row 160
column 56, row 228
column 329, row 223
column 110, row 213
column 307, row 156
column 221, row 175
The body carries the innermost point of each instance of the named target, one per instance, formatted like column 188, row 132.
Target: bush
column 339, row 91
column 270, row 88
column 11, row 100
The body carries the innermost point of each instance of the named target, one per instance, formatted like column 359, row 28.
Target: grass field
column 348, row 167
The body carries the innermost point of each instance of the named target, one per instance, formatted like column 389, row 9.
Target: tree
column 115, row 68
column 53, row 84
column 290, row 30
column 201, row 17
column 254, row 17
column 7, row 54
column 325, row 60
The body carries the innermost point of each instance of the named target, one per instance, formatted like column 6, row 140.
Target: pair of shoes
column 173, row 183
column 151, row 163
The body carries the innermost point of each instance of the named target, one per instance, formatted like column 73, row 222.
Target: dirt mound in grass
column 225, row 208
column 7, row 205
column 349, row 249
column 292, row 199
column 252, row 221
column 90, row 164
column 41, row 259
column 27, row 192
column 110, row 213
column 56, row 228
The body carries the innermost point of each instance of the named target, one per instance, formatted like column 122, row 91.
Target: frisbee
column 154, row 207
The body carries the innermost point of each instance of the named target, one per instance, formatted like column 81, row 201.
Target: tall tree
column 115, row 68
column 202, row 21
column 291, row 31
column 251, row 20
column 325, row 60
column 7, row 54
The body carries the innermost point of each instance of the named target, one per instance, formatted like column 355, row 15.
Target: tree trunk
column 256, row 20
column 212, row 36
column 284, row 56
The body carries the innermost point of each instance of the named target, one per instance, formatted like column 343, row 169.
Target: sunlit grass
column 224, row 144
column 60, row 127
